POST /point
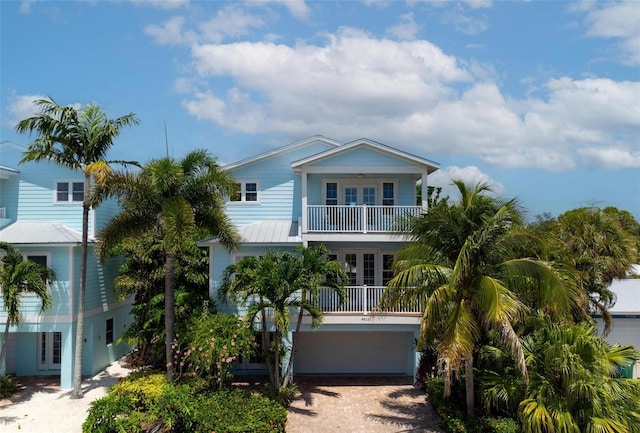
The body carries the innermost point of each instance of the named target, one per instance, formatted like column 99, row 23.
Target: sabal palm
column 599, row 249
column 464, row 270
column 277, row 284
column 17, row 277
column 574, row 383
column 177, row 198
column 78, row 139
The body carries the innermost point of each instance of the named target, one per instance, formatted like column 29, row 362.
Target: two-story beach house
column 349, row 197
column 41, row 215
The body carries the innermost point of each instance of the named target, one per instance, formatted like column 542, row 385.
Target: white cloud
column 406, row 29
column 412, row 94
column 171, row 32
column 619, row 20
column 229, row 22
column 470, row 175
column 20, row 107
column 464, row 22
column 162, row 4
column 25, row 6
column 297, row 8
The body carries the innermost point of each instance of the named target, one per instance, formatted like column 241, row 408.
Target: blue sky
column 541, row 99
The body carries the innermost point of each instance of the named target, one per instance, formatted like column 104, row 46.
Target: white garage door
column 352, row 353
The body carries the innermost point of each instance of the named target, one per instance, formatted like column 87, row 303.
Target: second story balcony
column 359, row 219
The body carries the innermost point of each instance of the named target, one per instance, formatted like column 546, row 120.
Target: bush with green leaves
column 211, row 347
column 8, row 386
column 145, row 402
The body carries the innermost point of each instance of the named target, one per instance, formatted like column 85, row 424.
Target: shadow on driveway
column 360, row 404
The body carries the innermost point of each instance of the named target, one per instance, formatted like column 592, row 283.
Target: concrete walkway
column 360, row 405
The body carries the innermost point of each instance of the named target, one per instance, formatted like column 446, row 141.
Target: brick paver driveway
column 360, row 405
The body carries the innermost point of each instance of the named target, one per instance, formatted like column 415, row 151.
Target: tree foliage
column 276, row 285
column 78, row 139
column 18, row 277
column 176, row 199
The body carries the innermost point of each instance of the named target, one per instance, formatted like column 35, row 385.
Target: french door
column 49, row 350
column 359, row 194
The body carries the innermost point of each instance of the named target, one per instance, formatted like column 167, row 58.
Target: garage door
column 352, row 353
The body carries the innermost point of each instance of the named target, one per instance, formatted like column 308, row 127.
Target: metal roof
column 627, row 296
column 37, row 232
column 270, row 232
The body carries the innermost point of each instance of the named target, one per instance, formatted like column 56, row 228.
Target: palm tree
column 598, row 247
column 574, row 382
column 79, row 140
column 278, row 283
column 179, row 199
column 463, row 268
column 19, row 276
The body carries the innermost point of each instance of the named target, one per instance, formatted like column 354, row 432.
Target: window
column 331, row 194
column 388, row 194
column 69, row 192
column 387, row 268
column 246, row 192
column 331, row 277
column 39, row 258
column 109, row 331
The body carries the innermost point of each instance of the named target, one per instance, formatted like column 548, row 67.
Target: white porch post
column 304, row 200
column 3, row 364
column 424, row 190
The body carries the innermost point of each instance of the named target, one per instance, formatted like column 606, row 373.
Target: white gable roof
column 36, row 232
column 286, row 148
column 430, row 166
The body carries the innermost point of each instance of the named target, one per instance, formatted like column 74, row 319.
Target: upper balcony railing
column 360, row 219
column 360, row 300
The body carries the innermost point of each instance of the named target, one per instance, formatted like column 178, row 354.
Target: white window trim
column 360, row 183
column 243, row 193
column 25, row 256
column 70, row 183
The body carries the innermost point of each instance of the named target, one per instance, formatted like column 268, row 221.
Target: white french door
column 49, row 350
column 359, row 195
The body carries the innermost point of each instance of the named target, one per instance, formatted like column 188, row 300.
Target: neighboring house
column 41, row 215
column 626, row 316
column 349, row 197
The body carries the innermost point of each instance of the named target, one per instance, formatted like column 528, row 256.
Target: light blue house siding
column 355, row 338
column 38, row 225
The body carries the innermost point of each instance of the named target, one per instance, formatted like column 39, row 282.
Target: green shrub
column 238, row 411
column 145, row 401
column 211, row 347
column 489, row 424
column 8, row 386
column 284, row 396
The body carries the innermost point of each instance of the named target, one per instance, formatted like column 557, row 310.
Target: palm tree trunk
column 5, row 338
column 468, row 381
column 169, row 311
column 276, row 357
column 77, row 363
column 266, row 344
column 294, row 337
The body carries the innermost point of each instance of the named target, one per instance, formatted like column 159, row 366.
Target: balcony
column 360, row 219
column 361, row 300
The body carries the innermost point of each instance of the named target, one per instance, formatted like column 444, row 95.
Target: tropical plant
column 77, row 139
column 142, row 275
column 211, row 346
column 599, row 248
column 575, row 385
column 463, row 267
column 279, row 283
column 178, row 199
column 17, row 277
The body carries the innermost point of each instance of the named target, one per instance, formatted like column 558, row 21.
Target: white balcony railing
column 3, row 213
column 360, row 219
column 360, row 300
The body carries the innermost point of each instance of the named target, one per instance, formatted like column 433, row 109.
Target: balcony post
column 305, row 210
column 364, row 218
column 364, row 299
